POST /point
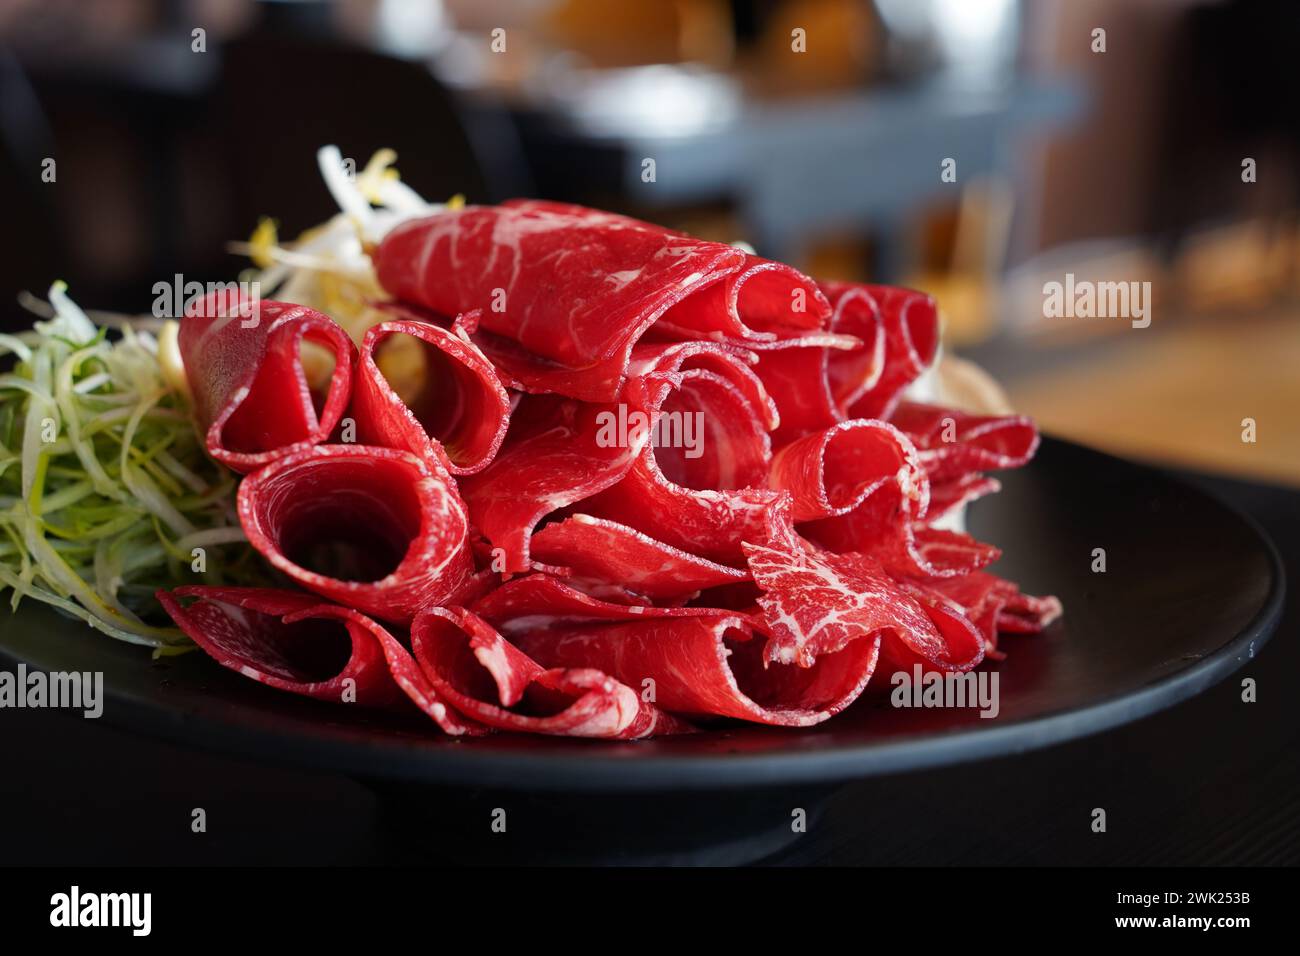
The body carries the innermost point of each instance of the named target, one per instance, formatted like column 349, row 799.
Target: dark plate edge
column 578, row 773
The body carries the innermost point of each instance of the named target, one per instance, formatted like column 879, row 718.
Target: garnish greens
column 105, row 490
column 106, row 493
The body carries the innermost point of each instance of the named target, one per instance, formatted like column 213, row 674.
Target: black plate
column 1191, row 591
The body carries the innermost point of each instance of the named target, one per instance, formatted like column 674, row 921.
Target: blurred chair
column 25, row 142
column 282, row 97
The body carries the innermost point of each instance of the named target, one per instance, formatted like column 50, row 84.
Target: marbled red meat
column 993, row 605
column 251, row 398
column 701, row 662
column 952, row 444
column 909, row 322
column 461, row 412
column 566, row 292
column 298, row 643
column 552, row 458
column 648, row 481
column 817, row 602
column 375, row 529
column 602, row 552
column 484, row 676
column 705, row 496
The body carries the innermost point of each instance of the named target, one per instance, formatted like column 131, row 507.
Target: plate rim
column 461, row 767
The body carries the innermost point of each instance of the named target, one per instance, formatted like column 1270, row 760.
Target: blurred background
column 976, row 149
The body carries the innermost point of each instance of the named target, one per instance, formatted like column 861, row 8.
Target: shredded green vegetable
column 106, row 493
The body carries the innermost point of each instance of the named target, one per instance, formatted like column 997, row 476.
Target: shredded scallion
column 106, row 493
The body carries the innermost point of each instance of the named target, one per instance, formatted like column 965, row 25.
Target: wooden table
column 1177, row 393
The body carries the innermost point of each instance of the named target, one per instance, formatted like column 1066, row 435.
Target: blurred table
column 799, row 167
column 1174, row 393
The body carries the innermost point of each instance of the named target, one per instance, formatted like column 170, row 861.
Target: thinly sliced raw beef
column 598, row 552
column 244, row 366
column 954, row 444
column 710, row 666
column 553, row 457
column 860, row 487
column 890, row 525
column 566, row 292
column 691, row 486
column 937, row 553
column 482, row 674
column 851, row 374
column 575, row 287
column 298, row 643
column 796, row 373
column 815, row 378
column 833, row 471
column 993, row 605
column 735, row 361
column 523, row 371
column 756, row 301
column 540, row 599
column 706, row 495
column 817, row 603
column 698, row 661
column 948, row 496
column 461, row 412
column 910, row 321
column 375, row 529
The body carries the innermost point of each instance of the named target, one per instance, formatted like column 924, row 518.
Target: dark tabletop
column 1210, row 781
